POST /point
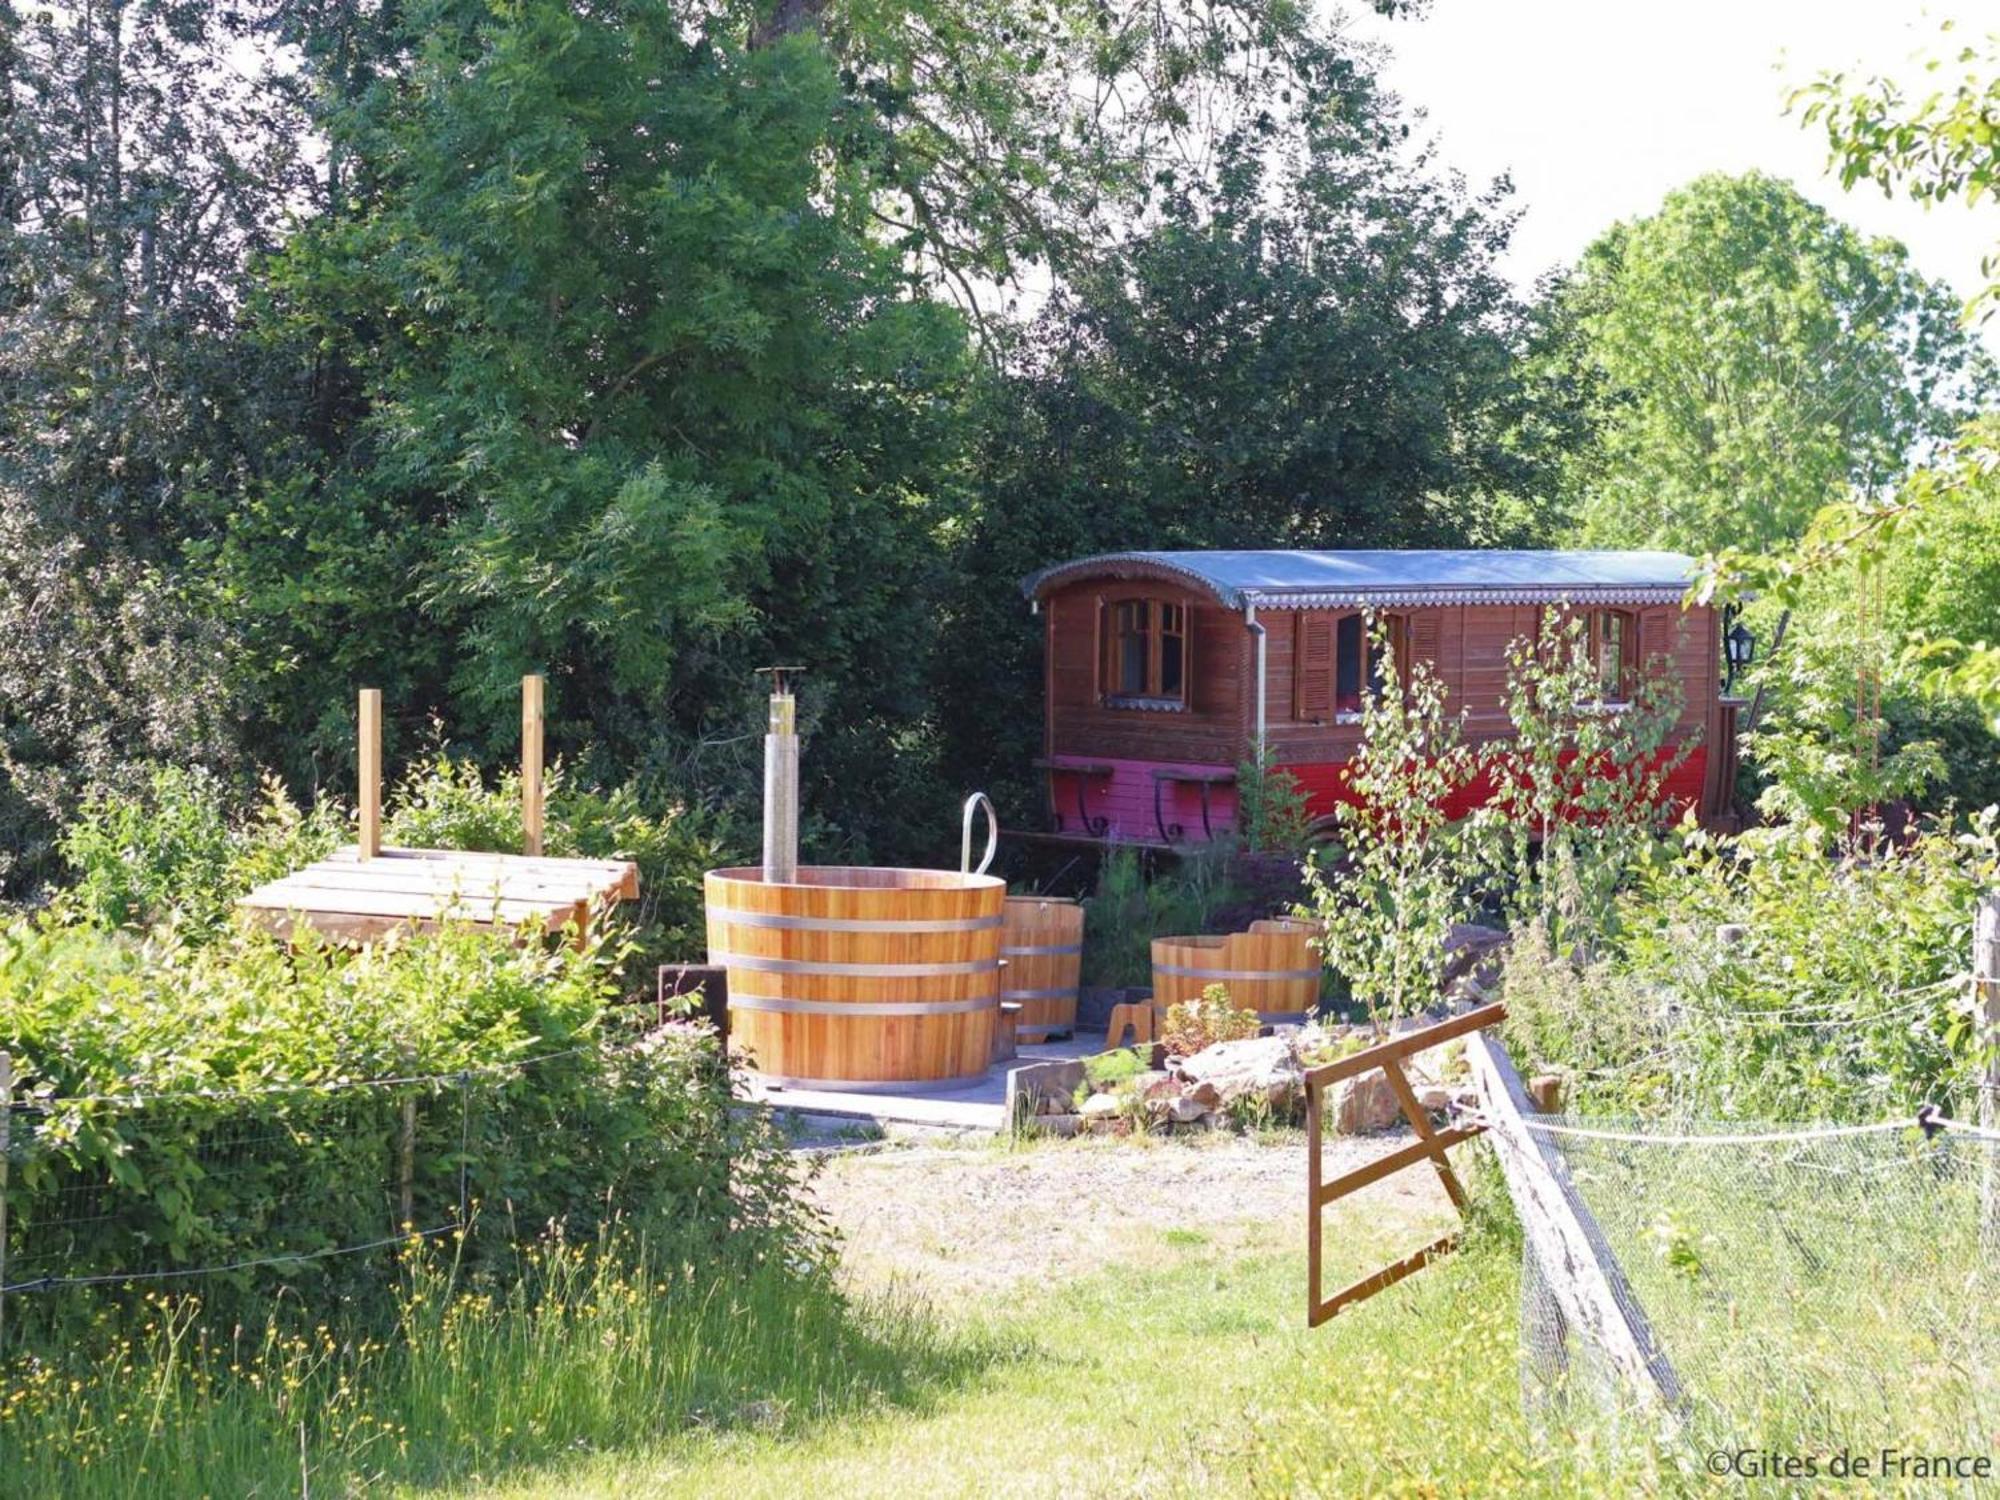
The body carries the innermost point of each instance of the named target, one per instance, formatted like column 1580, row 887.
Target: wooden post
column 531, row 764
column 1986, row 995
column 1583, row 1276
column 370, row 763
column 6, row 1144
column 1314, row 1124
column 406, row 1153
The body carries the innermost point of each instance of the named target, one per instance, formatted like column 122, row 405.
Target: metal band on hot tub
column 750, row 963
column 778, row 922
column 1049, row 948
column 786, row 1005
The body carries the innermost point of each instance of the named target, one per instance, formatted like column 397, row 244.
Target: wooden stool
column 1003, row 1030
column 1139, row 1017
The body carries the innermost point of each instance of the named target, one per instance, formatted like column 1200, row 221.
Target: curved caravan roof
column 1361, row 579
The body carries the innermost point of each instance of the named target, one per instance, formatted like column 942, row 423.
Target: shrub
column 180, row 852
column 1271, row 811
column 1128, row 910
column 448, row 804
column 1194, row 1024
column 1578, row 788
column 1387, row 902
column 1836, row 992
column 250, row 1143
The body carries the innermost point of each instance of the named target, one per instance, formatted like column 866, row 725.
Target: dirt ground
column 955, row 1219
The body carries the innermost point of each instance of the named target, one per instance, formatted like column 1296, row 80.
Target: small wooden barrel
column 1043, row 945
column 1269, row 969
column 859, row 978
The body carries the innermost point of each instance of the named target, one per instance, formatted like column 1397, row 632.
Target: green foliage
column 1132, row 905
column 182, row 852
column 1576, row 790
column 196, row 1089
column 1388, row 899
column 1194, row 1024
column 1271, row 812
column 1745, row 359
column 1935, row 149
column 448, row 804
column 598, row 1344
column 1773, row 977
column 1822, row 760
column 179, row 852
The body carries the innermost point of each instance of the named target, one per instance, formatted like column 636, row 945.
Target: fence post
column 1986, row 994
column 406, row 1154
column 6, row 1145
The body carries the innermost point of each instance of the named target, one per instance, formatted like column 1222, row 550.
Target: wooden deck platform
column 347, row 897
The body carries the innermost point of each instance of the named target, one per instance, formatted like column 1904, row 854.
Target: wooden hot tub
column 853, row 977
column 1270, row 969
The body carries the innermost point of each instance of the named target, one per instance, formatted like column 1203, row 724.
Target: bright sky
column 1598, row 107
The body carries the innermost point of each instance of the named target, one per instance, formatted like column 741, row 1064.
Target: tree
column 1747, row 360
column 1398, row 879
column 1578, row 789
column 644, row 402
column 144, row 163
column 1320, row 354
column 1934, row 149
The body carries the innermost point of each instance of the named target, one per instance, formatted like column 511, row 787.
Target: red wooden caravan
column 1165, row 670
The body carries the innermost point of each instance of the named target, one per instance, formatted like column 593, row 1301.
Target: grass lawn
column 1192, row 1373
column 1157, row 1348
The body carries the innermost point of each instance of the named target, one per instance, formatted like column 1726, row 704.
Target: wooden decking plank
column 287, row 896
column 443, row 881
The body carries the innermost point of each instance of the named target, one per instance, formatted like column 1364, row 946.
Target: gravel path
column 955, row 1220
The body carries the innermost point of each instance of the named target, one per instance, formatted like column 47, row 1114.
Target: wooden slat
column 1420, row 1122
column 302, row 896
column 1581, row 1272
column 616, row 877
column 1388, row 1276
column 1395, row 1161
column 1398, row 1047
column 385, row 875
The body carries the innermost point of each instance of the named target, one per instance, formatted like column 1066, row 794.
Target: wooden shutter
column 1312, row 690
column 1426, row 632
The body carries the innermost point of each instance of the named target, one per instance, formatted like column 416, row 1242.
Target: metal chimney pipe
column 781, row 784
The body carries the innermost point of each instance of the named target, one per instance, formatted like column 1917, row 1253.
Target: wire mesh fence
column 292, row 1186
column 1815, row 1291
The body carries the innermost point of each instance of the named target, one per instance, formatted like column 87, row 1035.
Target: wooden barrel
column 1269, row 969
column 1043, row 945
column 858, row 978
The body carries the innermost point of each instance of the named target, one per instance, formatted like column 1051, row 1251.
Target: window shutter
column 1426, row 630
column 1313, row 689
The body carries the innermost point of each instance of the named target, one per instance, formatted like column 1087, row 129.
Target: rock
column 1054, row 1104
column 1266, row 1068
column 1206, row 1094
column 1155, row 1085
column 1059, row 1125
column 1183, row 1110
column 1101, row 1107
column 1435, row 1098
column 1731, row 935
column 1472, row 952
column 1364, row 1103
column 1030, row 1083
column 1546, row 1089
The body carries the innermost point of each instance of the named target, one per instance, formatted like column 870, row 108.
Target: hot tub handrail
column 978, row 800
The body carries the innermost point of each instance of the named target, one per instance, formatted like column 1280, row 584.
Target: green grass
column 655, row 1374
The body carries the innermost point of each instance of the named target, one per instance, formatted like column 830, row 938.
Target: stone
column 1206, row 1094
column 1363, row 1103
column 1266, row 1068
column 1100, row 1107
column 1183, row 1110
column 1030, row 1084
column 1435, row 1098
column 1155, row 1085
column 1059, row 1125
